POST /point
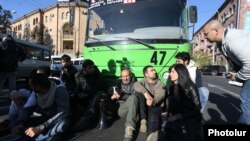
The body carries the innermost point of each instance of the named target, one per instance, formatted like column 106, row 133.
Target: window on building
column 46, row 19
column 67, row 15
column 62, row 16
column 51, row 17
column 67, row 46
column 225, row 16
column 231, row 11
column 36, row 20
column 234, row 8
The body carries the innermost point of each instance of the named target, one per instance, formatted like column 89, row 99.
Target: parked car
column 213, row 70
column 55, row 63
column 77, row 62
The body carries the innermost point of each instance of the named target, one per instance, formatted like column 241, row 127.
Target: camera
column 228, row 75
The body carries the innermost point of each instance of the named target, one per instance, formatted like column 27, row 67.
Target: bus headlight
column 165, row 75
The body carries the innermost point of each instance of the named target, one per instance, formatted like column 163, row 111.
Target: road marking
column 221, row 88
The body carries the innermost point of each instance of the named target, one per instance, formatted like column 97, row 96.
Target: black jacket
column 184, row 103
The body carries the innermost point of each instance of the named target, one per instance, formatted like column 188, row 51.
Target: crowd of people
column 71, row 100
column 165, row 112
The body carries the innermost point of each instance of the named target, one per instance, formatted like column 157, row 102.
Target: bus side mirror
column 193, row 14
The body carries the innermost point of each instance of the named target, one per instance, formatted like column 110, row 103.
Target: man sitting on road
column 129, row 103
column 153, row 91
column 88, row 94
column 49, row 100
column 19, row 97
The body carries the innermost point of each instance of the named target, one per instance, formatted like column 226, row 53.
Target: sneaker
column 143, row 126
column 128, row 133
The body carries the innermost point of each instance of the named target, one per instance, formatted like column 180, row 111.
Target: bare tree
column 37, row 34
column 26, row 32
column 47, row 40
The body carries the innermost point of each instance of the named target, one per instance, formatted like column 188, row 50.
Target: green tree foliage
column 5, row 17
column 201, row 58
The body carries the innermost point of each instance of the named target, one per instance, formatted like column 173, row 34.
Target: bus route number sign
column 158, row 56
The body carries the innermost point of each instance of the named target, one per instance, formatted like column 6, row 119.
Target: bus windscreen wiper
column 138, row 41
column 102, row 42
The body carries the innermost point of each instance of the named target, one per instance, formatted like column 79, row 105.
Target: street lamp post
column 213, row 54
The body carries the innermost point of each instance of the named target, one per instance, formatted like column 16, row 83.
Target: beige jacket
column 157, row 90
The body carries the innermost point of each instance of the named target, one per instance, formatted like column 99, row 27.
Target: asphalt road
column 223, row 107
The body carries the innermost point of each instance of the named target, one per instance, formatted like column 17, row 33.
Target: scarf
column 46, row 100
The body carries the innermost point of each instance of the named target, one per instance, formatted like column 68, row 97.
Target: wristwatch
column 41, row 127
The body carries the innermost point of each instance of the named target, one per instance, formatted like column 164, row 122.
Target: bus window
column 46, row 55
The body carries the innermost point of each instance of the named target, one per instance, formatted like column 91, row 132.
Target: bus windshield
column 109, row 18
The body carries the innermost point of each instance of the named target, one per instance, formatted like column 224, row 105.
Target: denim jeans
column 245, row 103
column 204, row 94
column 11, row 76
column 14, row 108
column 58, row 128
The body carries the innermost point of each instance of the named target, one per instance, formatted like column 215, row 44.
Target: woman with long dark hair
column 182, row 107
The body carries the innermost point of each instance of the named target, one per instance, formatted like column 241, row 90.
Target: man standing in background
column 10, row 55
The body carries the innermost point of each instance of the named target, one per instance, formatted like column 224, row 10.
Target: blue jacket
column 59, row 105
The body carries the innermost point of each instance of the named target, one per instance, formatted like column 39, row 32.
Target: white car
column 56, row 64
column 77, row 62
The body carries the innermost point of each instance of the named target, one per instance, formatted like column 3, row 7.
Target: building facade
column 232, row 14
column 51, row 26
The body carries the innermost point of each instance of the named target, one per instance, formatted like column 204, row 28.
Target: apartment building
column 51, row 27
column 233, row 14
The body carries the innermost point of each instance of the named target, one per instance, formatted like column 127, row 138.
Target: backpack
column 10, row 55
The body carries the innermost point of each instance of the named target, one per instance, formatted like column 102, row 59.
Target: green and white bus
column 136, row 33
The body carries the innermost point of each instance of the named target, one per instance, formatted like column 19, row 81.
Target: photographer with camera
column 233, row 44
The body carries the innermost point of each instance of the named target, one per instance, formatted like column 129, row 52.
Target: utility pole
column 213, row 54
